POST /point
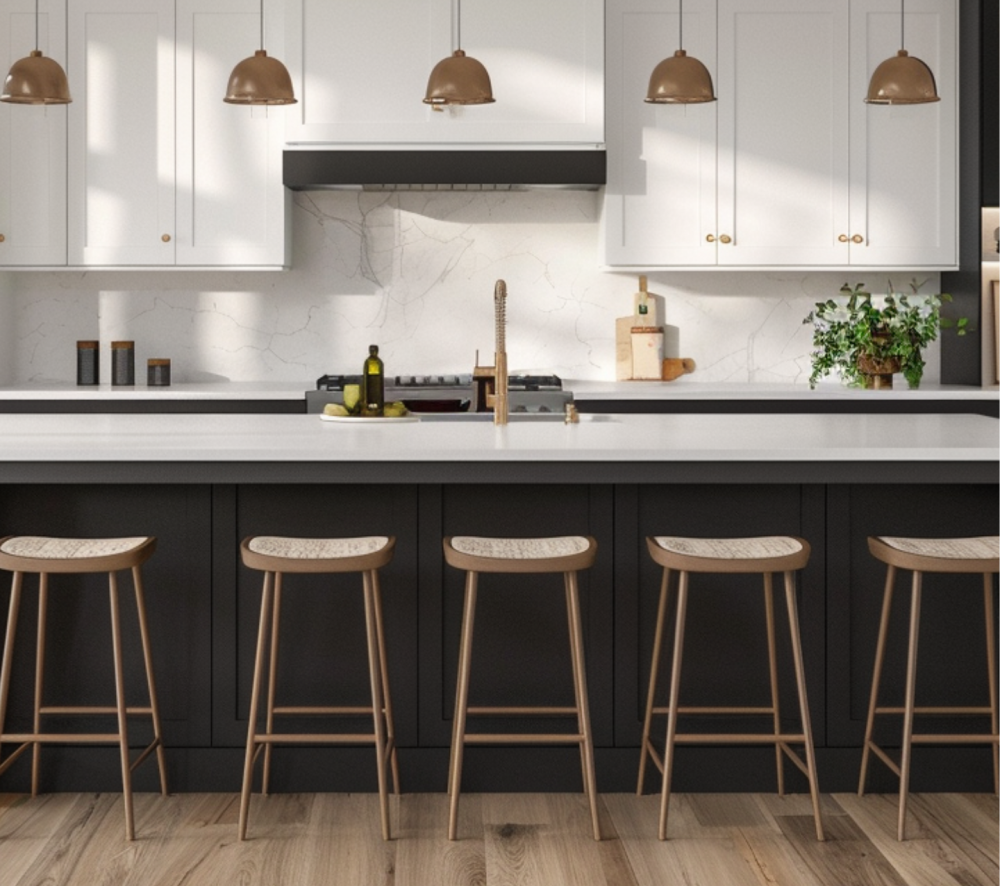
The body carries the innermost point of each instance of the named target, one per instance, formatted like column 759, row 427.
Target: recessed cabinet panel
column 362, row 71
column 903, row 157
column 230, row 200
column 782, row 132
column 121, row 133
column 659, row 205
column 32, row 145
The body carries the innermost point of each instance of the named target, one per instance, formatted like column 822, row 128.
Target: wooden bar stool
column 44, row 556
column 567, row 555
column 276, row 556
column 920, row 555
column 765, row 556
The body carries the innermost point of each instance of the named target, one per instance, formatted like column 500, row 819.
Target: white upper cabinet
column 790, row 167
column 232, row 209
column 32, row 145
column 121, row 133
column 361, row 71
column 904, row 186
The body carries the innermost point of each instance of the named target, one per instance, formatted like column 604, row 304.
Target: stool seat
column 35, row 553
column 274, row 553
column 775, row 553
column 979, row 554
column 566, row 553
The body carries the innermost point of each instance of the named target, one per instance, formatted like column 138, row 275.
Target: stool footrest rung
column 138, row 760
column 532, row 711
column 803, row 768
column 320, row 710
column 5, row 765
column 738, row 738
column 885, row 758
column 75, row 710
column 715, row 710
column 528, row 738
column 937, row 711
column 61, row 737
column 318, row 737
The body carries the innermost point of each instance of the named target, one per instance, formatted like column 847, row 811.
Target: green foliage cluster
column 845, row 330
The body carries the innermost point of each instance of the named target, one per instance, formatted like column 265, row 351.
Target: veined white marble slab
column 605, row 438
column 684, row 389
column 224, row 390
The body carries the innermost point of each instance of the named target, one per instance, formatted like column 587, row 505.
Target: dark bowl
column 437, row 405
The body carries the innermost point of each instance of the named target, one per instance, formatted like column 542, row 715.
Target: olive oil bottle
column 373, row 382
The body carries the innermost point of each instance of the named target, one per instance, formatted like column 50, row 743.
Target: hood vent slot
column 444, row 170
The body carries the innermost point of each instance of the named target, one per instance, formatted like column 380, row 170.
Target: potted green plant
column 867, row 343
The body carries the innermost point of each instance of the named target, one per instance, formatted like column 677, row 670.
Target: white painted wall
column 414, row 273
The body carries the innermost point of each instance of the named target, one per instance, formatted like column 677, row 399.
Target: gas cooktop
column 409, row 383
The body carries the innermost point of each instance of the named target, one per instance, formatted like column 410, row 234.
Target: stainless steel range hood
column 444, row 169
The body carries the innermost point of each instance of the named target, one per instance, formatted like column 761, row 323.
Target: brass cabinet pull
column 710, row 238
column 725, row 238
column 857, row 238
column 2, row 238
column 843, row 238
column 165, row 238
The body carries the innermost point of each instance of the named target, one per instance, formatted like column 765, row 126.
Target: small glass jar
column 123, row 363
column 88, row 363
column 158, row 372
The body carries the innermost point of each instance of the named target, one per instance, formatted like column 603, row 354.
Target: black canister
column 158, row 372
column 123, row 362
column 87, row 363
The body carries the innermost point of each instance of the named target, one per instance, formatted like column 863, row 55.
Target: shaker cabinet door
column 121, row 133
column 783, row 133
column 32, row 145
column 231, row 203
column 659, row 203
column 904, row 166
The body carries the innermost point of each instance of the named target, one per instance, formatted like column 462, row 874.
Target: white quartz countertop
column 636, row 439
column 583, row 390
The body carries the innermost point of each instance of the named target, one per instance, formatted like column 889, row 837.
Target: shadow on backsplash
column 414, row 273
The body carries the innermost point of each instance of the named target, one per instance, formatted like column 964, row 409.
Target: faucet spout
column 500, row 409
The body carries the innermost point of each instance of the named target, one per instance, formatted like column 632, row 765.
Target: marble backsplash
column 414, row 273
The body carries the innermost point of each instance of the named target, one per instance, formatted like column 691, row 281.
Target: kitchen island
column 200, row 483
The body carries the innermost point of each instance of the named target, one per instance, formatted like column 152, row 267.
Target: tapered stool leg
column 147, row 655
column 258, row 669
column 675, row 683
column 646, row 747
column 375, row 675
column 390, row 729
column 991, row 664
column 8, row 656
column 116, row 641
column 911, row 682
column 272, row 679
column 772, row 658
column 883, row 630
column 582, row 701
column 461, row 705
column 800, row 681
column 43, row 608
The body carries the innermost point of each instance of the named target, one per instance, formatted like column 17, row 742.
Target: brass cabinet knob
column 725, row 238
column 2, row 238
column 843, row 238
column 710, row 238
column 165, row 238
column 857, row 238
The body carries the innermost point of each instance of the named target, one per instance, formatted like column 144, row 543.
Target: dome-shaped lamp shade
column 459, row 80
column 902, row 80
column 260, row 80
column 680, row 79
column 36, row 80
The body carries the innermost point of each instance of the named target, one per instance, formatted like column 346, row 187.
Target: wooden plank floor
column 505, row 840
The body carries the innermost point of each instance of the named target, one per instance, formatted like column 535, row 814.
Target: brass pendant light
column 459, row 79
column 36, row 79
column 680, row 79
column 260, row 79
column 902, row 79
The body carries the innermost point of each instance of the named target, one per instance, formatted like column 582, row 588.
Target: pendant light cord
column 902, row 24
column 680, row 26
column 36, row 25
column 458, row 25
column 261, row 24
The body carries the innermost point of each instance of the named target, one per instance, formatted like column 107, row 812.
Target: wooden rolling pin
column 675, row 367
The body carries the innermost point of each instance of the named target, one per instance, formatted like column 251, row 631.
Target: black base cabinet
column 204, row 607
